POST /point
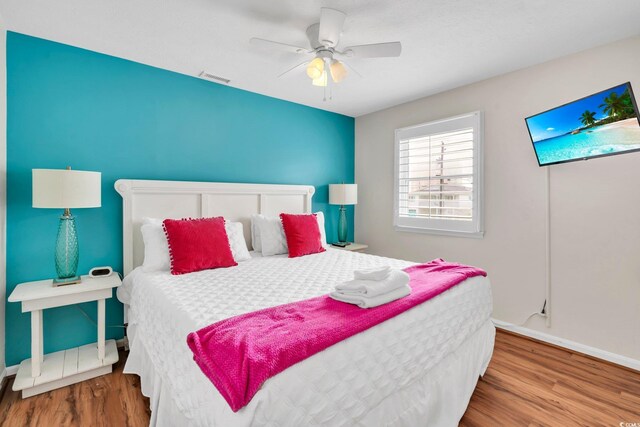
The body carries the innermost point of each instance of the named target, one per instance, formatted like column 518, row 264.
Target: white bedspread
column 368, row 377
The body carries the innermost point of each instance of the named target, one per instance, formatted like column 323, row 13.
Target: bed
column 418, row 368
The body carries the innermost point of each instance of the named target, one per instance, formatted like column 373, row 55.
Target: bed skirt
column 439, row 399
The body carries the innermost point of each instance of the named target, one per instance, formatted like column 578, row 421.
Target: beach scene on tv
column 600, row 124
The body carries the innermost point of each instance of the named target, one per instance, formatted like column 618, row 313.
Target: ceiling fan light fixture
column 320, row 81
column 315, row 69
column 325, row 44
column 338, row 71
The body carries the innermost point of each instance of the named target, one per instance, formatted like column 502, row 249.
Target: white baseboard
column 11, row 370
column 3, row 375
column 571, row 345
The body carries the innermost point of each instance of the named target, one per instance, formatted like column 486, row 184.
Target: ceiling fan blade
column 293, row 68
column 352, row 69
column 376, row 50
column 331, row 23
column 283, row 47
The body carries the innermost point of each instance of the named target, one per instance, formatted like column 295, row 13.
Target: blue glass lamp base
column 67, row 251
column 342, row 225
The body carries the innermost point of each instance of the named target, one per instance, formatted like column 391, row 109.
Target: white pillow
column 323, row 233
column 255, row 233
column 156, row 246
column 236, row 241
column 272, row 238
column 268, row 231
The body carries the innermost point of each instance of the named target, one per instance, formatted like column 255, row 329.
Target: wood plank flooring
column 528, row 383
column 112, row 400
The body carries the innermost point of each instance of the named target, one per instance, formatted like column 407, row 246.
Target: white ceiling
column 446, row 43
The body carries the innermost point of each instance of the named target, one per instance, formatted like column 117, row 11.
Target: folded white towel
column 363, row 301
column 375, row 273
column 372, row 288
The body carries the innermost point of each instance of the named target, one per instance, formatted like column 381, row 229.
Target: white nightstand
column 43, row 372
column 353, row 247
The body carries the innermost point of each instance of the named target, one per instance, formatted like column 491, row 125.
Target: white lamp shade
column 343, row 194
column 62, row 189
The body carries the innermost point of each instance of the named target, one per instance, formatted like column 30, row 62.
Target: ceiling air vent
column 213, row 78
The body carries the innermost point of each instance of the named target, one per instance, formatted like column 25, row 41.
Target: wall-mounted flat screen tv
column 602, row 124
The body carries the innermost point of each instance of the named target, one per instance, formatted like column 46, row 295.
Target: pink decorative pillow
column 197, row 244
column 302, row 233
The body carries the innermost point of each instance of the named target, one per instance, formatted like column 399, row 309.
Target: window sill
column 451, row 233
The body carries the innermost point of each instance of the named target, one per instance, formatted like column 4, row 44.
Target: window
column 438, row 177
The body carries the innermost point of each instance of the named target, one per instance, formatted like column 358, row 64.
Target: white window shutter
column 438, row 182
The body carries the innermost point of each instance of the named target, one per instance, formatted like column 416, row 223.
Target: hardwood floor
column 528, row 383
column 112, row 400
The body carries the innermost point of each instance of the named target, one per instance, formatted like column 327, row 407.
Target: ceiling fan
column 324, row 38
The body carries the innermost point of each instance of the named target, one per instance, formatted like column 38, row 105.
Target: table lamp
column 343, row 194
column 66, row 189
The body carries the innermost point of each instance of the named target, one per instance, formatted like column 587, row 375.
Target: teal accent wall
column 69, row 106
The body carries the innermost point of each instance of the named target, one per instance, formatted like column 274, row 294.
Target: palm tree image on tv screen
column 601, row 124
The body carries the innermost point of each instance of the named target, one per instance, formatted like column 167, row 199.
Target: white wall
column 595, row 205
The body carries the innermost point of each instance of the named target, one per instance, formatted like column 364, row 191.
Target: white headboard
column 181, row 199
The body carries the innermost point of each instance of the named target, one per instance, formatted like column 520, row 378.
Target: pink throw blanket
column 240, row 353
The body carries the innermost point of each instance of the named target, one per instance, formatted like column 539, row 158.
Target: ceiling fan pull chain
column 330, row 84
column 326, row 81
column 329, row 79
